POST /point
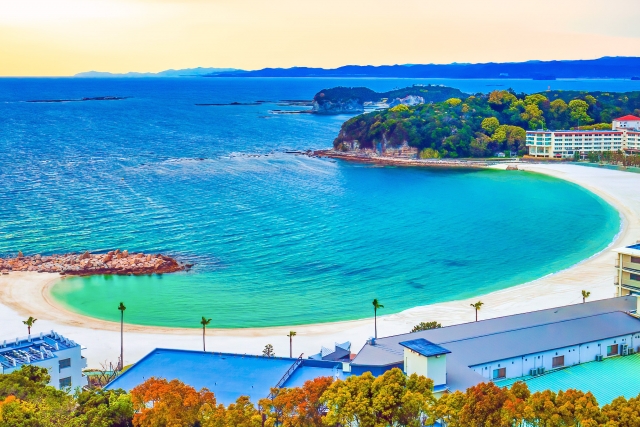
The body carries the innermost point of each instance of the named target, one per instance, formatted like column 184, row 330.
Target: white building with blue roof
column 61, row 356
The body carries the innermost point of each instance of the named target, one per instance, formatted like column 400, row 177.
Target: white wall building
column 626, row 122
column 518, row 346
column 627, row 279
column 61, row 356
column 625, row 136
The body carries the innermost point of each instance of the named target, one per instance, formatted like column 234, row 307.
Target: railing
column 287, row 374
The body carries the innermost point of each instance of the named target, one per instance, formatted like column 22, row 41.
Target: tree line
column 483, row 124
column 612, row 158
column 392, row 399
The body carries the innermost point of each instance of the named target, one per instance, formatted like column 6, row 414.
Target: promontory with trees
column 479, row 125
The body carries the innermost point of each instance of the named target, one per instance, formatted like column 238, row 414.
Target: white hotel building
column 624, row 136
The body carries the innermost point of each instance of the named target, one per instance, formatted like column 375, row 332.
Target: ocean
column 276, row 238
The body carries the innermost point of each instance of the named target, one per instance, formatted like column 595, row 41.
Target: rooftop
column 633, row 250
column 613, row 377
column 227, row 375
column 29, row 349
column 424, row 347
column 500, row 338
column 627, row 118
column 581, row 131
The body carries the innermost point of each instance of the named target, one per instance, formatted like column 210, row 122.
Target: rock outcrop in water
column 86, row 264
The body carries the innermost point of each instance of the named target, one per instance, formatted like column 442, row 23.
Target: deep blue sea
column 277, row 239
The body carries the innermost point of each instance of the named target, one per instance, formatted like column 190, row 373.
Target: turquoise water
column 277, row 239
column 332, row 241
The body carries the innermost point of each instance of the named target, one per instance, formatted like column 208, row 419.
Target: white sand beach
column 27, row 294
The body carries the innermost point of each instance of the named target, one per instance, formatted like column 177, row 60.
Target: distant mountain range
column 187, row 72
column 607, row 67
column 613, row 67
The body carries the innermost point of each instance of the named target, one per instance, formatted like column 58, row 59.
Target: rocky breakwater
column 86, row 264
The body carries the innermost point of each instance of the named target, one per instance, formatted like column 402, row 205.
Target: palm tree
column 477, row 307
column 122, row 308
column 585, row 295
column 291, row 335
column 204, row 322
column 29, row 322
column 376, row 306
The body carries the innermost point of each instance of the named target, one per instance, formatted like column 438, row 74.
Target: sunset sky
column 64, row 37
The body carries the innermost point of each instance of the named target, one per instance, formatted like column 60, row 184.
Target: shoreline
column 28, row 294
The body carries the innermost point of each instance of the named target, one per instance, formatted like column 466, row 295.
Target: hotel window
column 612, row 350
column 65, row 382
column 499, row 374
column 64, row 363
column 557, row 362
column 635, row 259
column 635, row 277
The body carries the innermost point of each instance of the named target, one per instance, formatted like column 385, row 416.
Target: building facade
column 523, row 345
column 61, row 356
column 627, row 279
column 626, row 122
column 624, row 136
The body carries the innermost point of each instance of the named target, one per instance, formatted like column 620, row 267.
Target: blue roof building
column 227, row 375
column 61, row 356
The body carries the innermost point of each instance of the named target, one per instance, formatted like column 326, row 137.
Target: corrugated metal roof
column 511, row 336
column 387, row 350
column 424, row 347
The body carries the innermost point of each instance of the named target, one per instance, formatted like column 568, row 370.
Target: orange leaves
column 300, row 407
column 158, row 402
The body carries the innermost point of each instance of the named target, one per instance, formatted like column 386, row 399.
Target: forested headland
column 481, row 124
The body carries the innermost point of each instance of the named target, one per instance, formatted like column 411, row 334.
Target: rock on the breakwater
column 86, row 264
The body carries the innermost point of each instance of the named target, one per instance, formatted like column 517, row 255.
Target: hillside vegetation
column 481, row 124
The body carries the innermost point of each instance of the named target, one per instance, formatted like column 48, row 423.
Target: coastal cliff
column 480, row 125
column 86, row 264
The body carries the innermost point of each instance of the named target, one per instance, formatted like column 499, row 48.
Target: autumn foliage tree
column 299, row 407
column 162, row 403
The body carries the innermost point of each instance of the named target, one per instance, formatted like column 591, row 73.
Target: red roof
column 628, row 118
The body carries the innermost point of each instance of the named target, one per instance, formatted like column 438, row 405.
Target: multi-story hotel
column 624, row 136
column 627, row 278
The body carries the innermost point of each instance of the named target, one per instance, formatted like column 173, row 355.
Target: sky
column 64, row 37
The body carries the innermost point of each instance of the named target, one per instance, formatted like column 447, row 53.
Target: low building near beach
column 61, row 356
column 623, row 136
column 520, row 346
column 627, row 279
column 227, row 375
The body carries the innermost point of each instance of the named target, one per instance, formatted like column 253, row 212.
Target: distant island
column 186, row 72
column 618, row 67
column 478, row 125
column 340, row 100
